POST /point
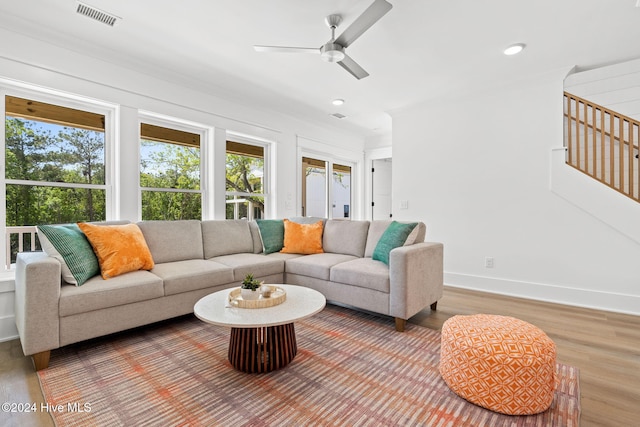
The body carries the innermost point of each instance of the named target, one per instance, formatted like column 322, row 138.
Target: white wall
column 32, row 62
column 616, row 87
column 35, row 62
column 477, row 170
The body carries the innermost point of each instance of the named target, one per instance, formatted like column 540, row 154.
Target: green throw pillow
column 272, row 234
column 70, row 246
column 393, row 237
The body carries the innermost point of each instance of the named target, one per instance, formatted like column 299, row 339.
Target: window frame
column 267, row 190
column 206, row 163
column 108, row 110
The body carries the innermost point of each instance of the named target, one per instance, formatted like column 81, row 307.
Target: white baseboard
column 599, row 300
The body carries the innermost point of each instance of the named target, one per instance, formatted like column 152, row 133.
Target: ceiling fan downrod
column 331, row 51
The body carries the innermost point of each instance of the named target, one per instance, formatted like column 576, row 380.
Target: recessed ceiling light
column 514, row 49
column 337, row 101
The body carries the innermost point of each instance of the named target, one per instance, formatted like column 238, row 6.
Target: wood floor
column 605, row 346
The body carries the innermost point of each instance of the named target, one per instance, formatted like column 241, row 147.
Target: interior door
column 381, row 185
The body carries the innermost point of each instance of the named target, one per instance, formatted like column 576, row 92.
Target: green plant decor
column 250, row 282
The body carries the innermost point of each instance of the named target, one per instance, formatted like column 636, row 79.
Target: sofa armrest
column 37, row 299
column 416, row 274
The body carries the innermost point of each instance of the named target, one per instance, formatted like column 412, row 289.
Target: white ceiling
column 421, row 50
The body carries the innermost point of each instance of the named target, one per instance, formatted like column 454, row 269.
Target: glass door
column 341, row 192
column 314, row 187
column 324, row 197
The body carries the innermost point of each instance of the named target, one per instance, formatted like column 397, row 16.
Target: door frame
column 318, row 150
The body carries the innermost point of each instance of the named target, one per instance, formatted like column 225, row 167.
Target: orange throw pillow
column 302, row 238
column 119, row 248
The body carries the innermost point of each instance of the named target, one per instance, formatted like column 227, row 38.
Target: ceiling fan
column 334, row 49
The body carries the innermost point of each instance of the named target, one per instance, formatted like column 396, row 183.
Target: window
column 245, row 181
column 317, row 191
column 55, row 166
column 169, row 173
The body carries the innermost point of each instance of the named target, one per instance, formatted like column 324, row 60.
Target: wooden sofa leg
column 400, row 324
column 41, row 360
column 434, row 305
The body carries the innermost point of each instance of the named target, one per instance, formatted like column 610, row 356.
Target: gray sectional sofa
column 195, row 258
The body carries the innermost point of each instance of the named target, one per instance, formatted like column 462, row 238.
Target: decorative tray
column 278, row 296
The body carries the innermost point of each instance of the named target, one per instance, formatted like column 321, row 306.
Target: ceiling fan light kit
column 334, row 49
column 332, row 52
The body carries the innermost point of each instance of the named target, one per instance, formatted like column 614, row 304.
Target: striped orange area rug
column 352, row 369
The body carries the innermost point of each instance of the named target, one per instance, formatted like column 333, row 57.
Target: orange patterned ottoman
column 500, row 363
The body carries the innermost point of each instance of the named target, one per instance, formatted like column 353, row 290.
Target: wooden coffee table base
column 264, row 349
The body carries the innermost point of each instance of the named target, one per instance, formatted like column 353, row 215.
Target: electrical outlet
column 488, row 262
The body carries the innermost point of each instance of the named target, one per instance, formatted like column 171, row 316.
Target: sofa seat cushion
column 316, row 265
column 283, row 256
column 364, row 273
column 97, row 293
column 192, row 274
column 258, row 265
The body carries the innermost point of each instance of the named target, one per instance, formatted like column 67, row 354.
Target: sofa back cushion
column 307, row 219
column 345, row 237
column 226, row 237
column 377, row 229
column 120, row 248
column 173, row 240
column 271, row 233
column 255, row 236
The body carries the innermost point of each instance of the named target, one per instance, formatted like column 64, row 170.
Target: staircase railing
column 603, row 144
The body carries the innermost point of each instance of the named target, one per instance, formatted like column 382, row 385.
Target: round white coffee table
column 262, row 339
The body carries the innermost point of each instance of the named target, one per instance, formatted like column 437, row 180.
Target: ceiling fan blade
column 286, row 49
column 363, row 22
column 353, row 68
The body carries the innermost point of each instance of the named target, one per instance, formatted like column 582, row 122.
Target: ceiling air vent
column 97, row 14
column 338, row 115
